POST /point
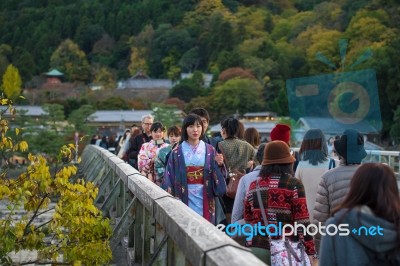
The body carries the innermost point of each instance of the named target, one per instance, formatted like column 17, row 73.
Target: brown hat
column 277, row 152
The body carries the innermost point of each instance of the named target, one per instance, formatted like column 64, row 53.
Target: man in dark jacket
column 133, row 151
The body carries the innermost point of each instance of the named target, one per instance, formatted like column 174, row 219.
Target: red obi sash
column 195, row 174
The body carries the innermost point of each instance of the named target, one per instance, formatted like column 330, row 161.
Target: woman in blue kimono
column 192, row 175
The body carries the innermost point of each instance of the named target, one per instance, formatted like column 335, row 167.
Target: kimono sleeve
column 160, row 163
column 143, row 158
column 169, row 175
column 219, row 184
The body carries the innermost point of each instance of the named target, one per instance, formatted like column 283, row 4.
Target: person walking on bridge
column 371, row 211
column 136, row 144
column 192, row 175
column 149, row 151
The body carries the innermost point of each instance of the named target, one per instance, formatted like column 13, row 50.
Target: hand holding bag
column 283, row 252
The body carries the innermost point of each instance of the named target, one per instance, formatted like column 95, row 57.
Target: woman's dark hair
column 156, row 126
column 276, row 169
column 189, row 120
column 126, row 134
column 201, row 112
column 174, row 130
column 135, row 133
column 313, row 147
column 231, row 126
column 252, row 136
column 240, row 132
column 375, row 185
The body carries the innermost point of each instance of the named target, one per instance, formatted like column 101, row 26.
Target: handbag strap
column 225, row 163
column 264, row 216
column 261, row 204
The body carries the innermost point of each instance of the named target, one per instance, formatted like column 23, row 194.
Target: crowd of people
column 275, row 187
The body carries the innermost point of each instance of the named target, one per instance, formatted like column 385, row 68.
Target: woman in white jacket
column 313, row 164
column 121, row 144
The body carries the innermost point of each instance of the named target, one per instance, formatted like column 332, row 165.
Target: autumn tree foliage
column 71, row 60
column 235, row 72
column 12, row 82
column 76, row 232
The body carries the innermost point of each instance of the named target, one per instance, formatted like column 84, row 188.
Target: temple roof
column 54, row 73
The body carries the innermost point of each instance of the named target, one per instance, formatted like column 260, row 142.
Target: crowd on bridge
column 315, row 206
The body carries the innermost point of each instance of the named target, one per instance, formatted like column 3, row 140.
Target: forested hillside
column 266, row 42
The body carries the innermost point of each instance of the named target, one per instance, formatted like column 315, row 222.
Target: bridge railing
column 150, row 227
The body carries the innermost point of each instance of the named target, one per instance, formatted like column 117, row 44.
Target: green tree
column 187, row 89
column 168, row 41
column 24, row 61
column 78, row 119
column 69, row 59
column 5, row 57
column 395, row 129
column 138, row 61
column 237, row 95
column 55, row 115
column 112, row 103
column 78, row 232
column 47, row 134
column 12, row 82
column 169, row 115
column 105, row 78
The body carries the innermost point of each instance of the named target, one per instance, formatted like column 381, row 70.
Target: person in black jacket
column 133, row 151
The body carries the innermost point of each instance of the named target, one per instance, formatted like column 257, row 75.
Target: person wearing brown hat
column 335, row 183
column 283, row 196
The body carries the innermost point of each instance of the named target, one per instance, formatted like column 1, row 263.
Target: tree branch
column 35, row 214
column 39, row 262
column 43, row 224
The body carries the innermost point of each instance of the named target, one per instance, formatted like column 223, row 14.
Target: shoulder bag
column 233, row 177
column 283, row 252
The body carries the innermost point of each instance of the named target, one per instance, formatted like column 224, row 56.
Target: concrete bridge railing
column 150, row 227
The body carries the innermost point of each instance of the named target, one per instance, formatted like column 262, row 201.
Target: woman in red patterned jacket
column 283, row 197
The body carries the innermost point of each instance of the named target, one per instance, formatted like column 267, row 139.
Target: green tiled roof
column 54, row 72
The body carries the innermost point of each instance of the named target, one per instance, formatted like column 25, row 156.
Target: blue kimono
column 175, row 180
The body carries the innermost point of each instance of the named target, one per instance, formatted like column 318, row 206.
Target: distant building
column 115, row 121
column 32, row 111
column 110, row 122
column 142, row 82
column 54, row 76
column 207, row 78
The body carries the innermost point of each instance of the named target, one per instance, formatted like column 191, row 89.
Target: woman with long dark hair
column 372, row 211
column 192, row 174
column 312, row 165
column 238, row 156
